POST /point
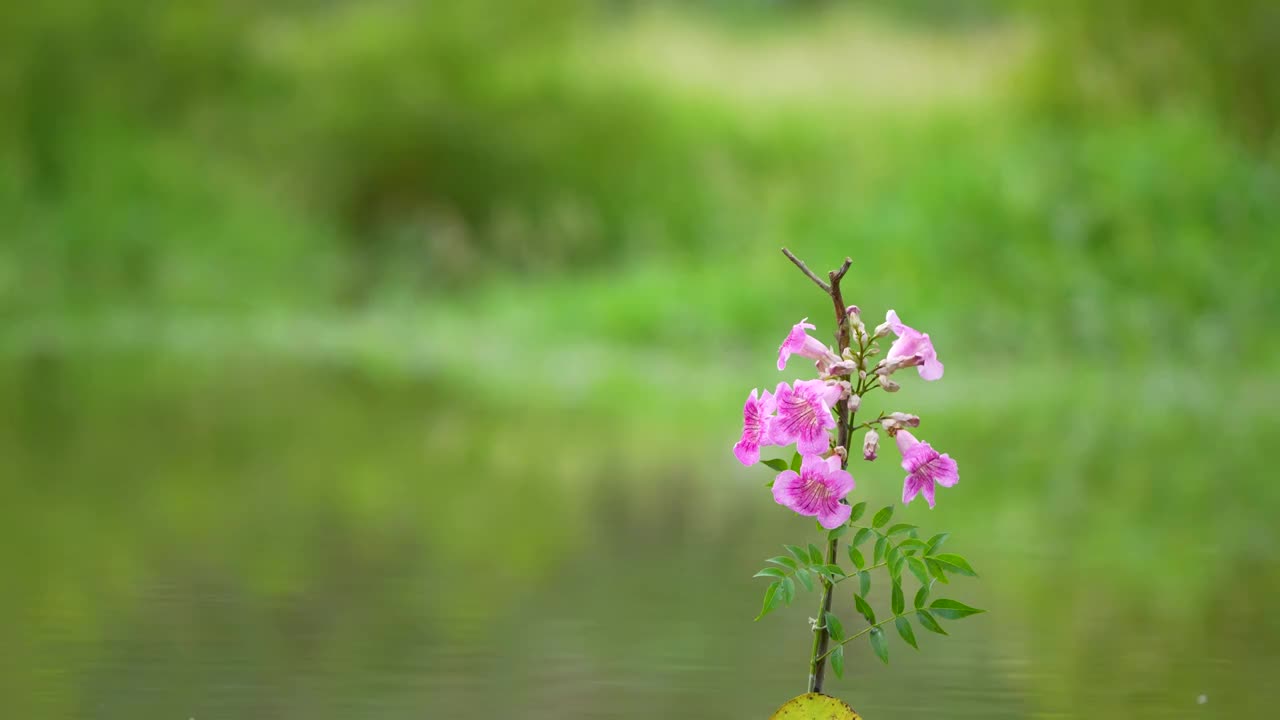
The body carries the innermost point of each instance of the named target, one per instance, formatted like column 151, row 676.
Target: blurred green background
column 382, row 359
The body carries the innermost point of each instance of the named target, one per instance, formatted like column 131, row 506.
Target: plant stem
column 821, row 636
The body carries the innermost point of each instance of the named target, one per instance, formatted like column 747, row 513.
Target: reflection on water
column 218, row 541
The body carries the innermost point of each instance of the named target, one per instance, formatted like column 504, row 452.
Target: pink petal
column 895, row 324
column 906, row 441
column 817, row 443
column 931, row 369
column 787, row 489
column 910, row 488
column 946, row 472
column 746, row 453
column 835, row 516
column 840, row 482
column 927, row 489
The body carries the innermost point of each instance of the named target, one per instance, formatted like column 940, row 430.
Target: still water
column 244, row 539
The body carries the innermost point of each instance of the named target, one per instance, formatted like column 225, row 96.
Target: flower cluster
column 805, row 413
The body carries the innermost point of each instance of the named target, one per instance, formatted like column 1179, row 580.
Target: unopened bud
column 889, row 385
column 870, row 444
column 881, row 330
column 841, row 453
column 852, row 310
column 844, row 368
column 905, row 419
column 855, row 402
column 887, row 367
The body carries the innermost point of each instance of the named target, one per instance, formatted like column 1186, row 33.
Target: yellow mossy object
column 814, row 706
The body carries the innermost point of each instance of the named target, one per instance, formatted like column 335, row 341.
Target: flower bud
column 905, row 419
column 889, row 367
column 889, row 385
column 881, row 330
column 870, row 444
column 844, row 368
column 852, row 310
column 855, row 402
column 841, row 453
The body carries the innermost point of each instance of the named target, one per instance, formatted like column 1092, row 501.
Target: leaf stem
column 869, row 628
column 865, row 569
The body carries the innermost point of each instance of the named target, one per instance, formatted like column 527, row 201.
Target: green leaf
column 855, row 557
column 788, row 590
column 904, row 629
column 864, row 582
column 796, row 460
column 837, row 661
column 882, row 517
column 856, row 514
column 880, row 645
column 881, row 545
column 936, row 541
column 899, row 528
column 815, row 555
column 935, row 569
column 911, row 545
column 895, row 559
column 837, row 532
column 898, row 603
column 865, row 609
column 956, row 564
column 922, row 596
column 800, row 553
column 834, row 628
column 776, row 464
column 928, row 623
column 831, row 571
column 772, row 572
column 952, row 609
column 919, row 569
column 771, row 600
column 862, row 536
column 805, row 579
column 784, row 561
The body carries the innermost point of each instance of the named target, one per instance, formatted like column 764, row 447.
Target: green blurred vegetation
column 219, row 156
column 274, row 276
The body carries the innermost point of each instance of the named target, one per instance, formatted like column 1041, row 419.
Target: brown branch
column 821, row 636
column 813, row 276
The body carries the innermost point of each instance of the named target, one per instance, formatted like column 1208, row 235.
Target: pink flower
column 816, row 490
column 799, row 342
column 757, row 414
column 926, row 468
column 912, row 342
column 804, row 415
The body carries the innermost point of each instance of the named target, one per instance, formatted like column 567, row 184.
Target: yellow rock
column 814, row 706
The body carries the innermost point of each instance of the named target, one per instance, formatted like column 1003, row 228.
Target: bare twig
column 812, row 276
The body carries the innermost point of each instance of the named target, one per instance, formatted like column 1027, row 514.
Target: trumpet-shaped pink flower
column 757, row 415
column 816, row 490
column 799, row 342
column 912, row 342
column 804, row 415
column 925, row 468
